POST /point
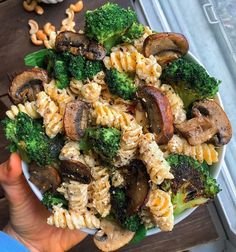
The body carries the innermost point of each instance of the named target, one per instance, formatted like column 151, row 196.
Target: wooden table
column 14, row 44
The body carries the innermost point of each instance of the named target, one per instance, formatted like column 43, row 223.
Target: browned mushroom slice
column 159, row 113
column 27, row 84
column 213, row 111
column 137, row 186
column 75, row 170
column 75, row 119
column 166, row 46
column 44, row 178
column 79, row 44
column 197, row 130
column 111, row 236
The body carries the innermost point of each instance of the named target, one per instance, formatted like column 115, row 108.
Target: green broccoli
column 61, row 74
column 192, row 185
column 109, row 23
column 51, row 199
column 76, row 66
column 92, row 67
column 28, row 136
column 104, row 141
column 119, row 202
column 190, row 80
column 135, row 31
column 120, row 84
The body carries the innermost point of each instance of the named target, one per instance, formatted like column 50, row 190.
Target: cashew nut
column 48, row 28
column 35, row 41
column 30, row 6
column 39, row 10
column 41, row 35
column 77, row 7
column 33, row 26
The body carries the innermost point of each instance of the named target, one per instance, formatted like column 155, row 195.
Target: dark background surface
column 14, row 44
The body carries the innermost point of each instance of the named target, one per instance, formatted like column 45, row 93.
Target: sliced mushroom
column 75, row 170
column 111, row 236
column 166, row 46
column 159, row 113
column 27, row 84
column 211, row 110
column 197, row 130
column 79, row 44
column 44, row 178
column 75, row 119
column 138, row 187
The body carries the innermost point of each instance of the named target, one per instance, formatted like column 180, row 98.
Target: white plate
column 215, row 170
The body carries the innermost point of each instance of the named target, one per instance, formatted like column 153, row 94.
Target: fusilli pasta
column 128, row 144
column 177, row 105
column 200, row 152
column 91, row 92
column 50, row 113
column 63, row 218
column 101, row 187
column 157, row 167
column 60, row 96
column 161, row 208
column 117, row 178
column 127, row 58
column 76, row 193
column 28, row 108
column 110, row 116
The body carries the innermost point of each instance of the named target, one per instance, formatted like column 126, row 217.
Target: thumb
column 13, row 183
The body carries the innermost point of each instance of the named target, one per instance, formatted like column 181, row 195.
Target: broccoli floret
column 108, row 24
column 132, row 223
column 134, row 32
column 51, row 199
column 192, row 184
column 190, row 80
column 76, row 66
column 61, row 74
column 92, row 68
column 104, row 141
column 28, row 136
column 120, row 201
column 120, row 84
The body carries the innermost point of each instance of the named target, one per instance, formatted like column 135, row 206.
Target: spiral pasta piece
column 28, row 108
column 127, row 58
column 63, row 218
column 101, row 193
column 201, row 152
column 71, row 151
column 76, row 86
column 117, row 178
column 110, row 116
column 48, row 109
column 161, row 208
column 76, row 193
column 60, row 96
column 157, row 167
column 91, row 92
column 129, row 144
column 177, row 105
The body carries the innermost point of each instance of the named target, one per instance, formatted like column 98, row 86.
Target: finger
column 14, row 184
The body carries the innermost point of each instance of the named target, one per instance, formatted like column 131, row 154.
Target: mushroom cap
column 137, row 185
column 213, row 111
column 197, row 130
column 166, row 46
column 75, row 119
column 111, row 236
column 75, row 170
column 26, row 85
column 79, row 44
column 159, row 113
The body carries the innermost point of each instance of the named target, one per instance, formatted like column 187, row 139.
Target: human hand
column 28, row 217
